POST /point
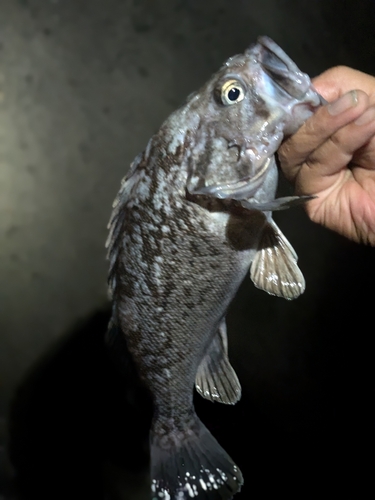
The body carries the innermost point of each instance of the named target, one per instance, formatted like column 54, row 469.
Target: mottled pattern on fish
column 191, row 217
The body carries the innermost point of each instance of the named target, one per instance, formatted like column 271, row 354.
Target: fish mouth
column 285, row 73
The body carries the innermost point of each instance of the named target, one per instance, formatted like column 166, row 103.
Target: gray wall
column 83, row 85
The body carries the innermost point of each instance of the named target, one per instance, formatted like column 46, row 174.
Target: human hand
column 332, row 156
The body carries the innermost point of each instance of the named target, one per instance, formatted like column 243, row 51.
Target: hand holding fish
column 332, row 155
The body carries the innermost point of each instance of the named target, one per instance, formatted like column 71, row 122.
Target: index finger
column 337, row 81
column 318, row 128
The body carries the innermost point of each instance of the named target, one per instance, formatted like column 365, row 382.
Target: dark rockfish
column 191, row 217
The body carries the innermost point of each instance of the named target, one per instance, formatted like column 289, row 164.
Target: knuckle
column 336, row 141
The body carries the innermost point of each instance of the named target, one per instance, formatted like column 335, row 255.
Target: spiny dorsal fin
column 274, row 268
column 216, row 379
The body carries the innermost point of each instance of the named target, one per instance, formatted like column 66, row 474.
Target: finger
column 364, row 158
column 329, row 86
column 318, row 128
column 333, row 156
column 337, row 81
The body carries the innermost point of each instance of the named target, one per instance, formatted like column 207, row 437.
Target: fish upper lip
column 283, row 72
column 274, row 59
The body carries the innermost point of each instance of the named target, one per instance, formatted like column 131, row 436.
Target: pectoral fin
column 274, row 268
column 216, row 379
column 277, row 204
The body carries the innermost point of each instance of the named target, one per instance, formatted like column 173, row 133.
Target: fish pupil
column 233, row 94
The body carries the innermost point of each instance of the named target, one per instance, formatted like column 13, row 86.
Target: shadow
column 75, row 419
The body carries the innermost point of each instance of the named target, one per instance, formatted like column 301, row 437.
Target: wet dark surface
column 83, row 85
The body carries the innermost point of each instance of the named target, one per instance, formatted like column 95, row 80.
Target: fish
column 192, row 218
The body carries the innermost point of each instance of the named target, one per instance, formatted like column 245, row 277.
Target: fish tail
column 191, row 464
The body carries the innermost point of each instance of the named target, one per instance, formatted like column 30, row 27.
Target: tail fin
column 192, row 465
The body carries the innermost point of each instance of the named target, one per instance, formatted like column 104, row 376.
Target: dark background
column 83, row 85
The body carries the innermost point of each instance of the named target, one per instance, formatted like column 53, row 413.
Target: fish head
column 249, row 106
column 282, row 84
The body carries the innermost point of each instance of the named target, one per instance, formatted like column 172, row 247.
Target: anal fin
column 274, row 268
column 216, row 379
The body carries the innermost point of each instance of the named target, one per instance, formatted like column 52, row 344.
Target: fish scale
column 192, row 217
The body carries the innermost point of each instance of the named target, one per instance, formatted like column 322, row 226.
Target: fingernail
column 345, row 102
column 367, row 117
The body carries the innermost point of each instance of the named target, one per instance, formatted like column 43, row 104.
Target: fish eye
column 232, row 92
